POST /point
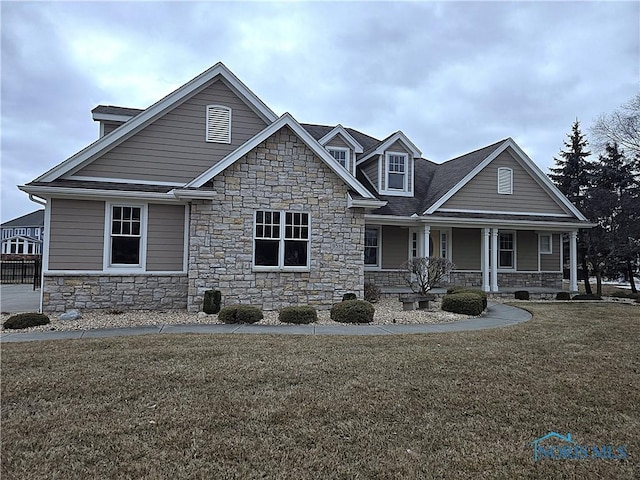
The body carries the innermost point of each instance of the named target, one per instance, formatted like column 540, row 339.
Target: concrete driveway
column 16, row 298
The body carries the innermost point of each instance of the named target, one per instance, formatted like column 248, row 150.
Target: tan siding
column 370, row 168
column 165, row 238
column 395, row 246
column 76, row 235
column 481, row 193
column 551, row 262
column 173, row 148
column 110, row 126
column 527, row 251
column 466, row 248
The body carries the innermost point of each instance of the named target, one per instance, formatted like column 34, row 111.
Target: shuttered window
column 505, row 181
column 218, row 124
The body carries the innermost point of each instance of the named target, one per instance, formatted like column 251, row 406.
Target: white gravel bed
column 387, row 311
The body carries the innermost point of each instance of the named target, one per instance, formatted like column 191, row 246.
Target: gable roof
column 33, row 219
column 113, row 113
column 340, row 130
column 319, row 131
column 155, row 111
column 288, row 121
column 386, row 143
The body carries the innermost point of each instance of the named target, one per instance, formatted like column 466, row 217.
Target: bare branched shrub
column 423, row 273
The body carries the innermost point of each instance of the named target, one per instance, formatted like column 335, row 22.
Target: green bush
column 563, row 296
column 212, row 300
column 586, row 297
column 349, row 296
column 476, row 291
column 629, row 294
column 353, row 311
column 240, row 314
column 522, row 295
column 467, row 303
column 298, row 315
column 371, row 292
column 25, row 320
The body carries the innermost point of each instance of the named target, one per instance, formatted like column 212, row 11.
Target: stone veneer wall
column 281, row 173
column 533, row 279
column 386, row 278
column 466, row 279
column 124, row 292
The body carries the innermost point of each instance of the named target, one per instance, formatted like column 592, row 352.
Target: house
column 22, row 236
column 209, row 189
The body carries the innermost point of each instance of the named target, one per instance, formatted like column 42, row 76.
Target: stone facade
column 281, row 174
column 532, row 279
column 121, row 292
column 386, row 278
column 466, row 279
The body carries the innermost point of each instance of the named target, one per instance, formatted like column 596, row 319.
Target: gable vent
column 218, row 124
column 505, row 181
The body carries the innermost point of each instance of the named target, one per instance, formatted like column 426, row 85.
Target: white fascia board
column 285, row 120
column 193, row 194
column 548, row 225
column 111, row 117
column 504, row 212
column 366, row 203
column 377, row 219
column 153, row 112
column 88, row 193
column 415, row 151
column 339, row 129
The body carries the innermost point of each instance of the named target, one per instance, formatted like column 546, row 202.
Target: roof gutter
column 39, row 201
column 93, row 193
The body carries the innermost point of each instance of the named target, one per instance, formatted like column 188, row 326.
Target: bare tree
column 621, row 127
column 423, row 273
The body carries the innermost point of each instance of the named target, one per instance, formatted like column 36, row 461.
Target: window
column 21, row 231
column 443, row 244
column 506, row 250
column 546, row 246
column 505, row 181
column 396, row 171
column 341, row 155
column 218, row 124
column 281, row 239
column 371, row 246
column 125, row 235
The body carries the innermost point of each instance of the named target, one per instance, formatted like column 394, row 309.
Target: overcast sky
column 453, row 76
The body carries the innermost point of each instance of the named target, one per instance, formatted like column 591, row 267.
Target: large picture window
column 126, row 234
column 281, row 239
column 371, row 246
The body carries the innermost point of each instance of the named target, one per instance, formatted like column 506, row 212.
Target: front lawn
column 464, row 405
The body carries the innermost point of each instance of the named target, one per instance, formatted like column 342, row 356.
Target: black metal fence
column 21, row 271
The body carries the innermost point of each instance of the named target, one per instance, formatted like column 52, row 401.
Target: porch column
column 494, row 259
column 486, row 287
column 425, row 240
column 573, row 261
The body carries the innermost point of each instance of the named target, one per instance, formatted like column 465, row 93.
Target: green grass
column 463, row 405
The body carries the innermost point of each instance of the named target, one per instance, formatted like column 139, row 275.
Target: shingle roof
column 33, row 219
column 124, row 187
column 113, row 110
column 319, row 131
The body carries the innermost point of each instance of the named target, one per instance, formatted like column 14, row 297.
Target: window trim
column 141, row 266
column 347, row 159
column 378, row 264
column 281, row 245
column 550, row 250
column 513, row 250
column 207, row 137
column 509, row 171
column 387, row 160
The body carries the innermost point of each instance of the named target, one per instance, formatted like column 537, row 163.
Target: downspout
column 43, row 202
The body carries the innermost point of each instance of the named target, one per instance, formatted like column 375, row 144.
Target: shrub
column 621, row 294
column 586, row 297
column 349, row 296
column 303, row 314
column 240, row 314
column 212, row 300
column 371, row 292
column 424, row 273
column 467, row 303
column 352, row 311
column 25, row 320
column 476, row 291
column 522, row 295
column 563, row 296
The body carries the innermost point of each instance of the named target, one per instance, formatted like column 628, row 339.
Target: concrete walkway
column 497, row 315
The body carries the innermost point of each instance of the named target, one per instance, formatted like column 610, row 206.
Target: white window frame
column 378, row 264
column 387, row 163
column 281, row 267
column 225, row 137
column 505, row 171
column 513, row 250
column 107, row 265
column 21, row 231
column 344, row 150
column 548, row 251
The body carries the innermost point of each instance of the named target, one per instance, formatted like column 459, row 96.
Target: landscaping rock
column 70, row 315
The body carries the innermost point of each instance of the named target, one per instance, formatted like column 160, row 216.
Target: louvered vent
column 505, row 181
column 218, row 124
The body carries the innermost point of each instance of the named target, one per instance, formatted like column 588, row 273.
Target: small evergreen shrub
column 353, row 311
column 240, row 314
column 25, row 320
column 563, row 296
column 371, row 292
column 212, row 300
column 477, row 291
column 467, row 303
column 349, row 296
column 522, row 295
column 298, row 315
column 586, row 297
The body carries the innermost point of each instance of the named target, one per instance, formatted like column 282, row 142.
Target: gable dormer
column 111, row 117
column 390, row 165
column 343, row 147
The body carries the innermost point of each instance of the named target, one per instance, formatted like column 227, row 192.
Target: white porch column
column 573, row 261
column 494, row 259
column 425, row 240
column 486, row 287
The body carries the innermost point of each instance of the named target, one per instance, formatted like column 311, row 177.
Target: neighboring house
column 22, row 236
column 210, row 189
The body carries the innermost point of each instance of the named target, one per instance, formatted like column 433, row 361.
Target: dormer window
column 218, row 124
column 341, row 155
column 397, row 165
